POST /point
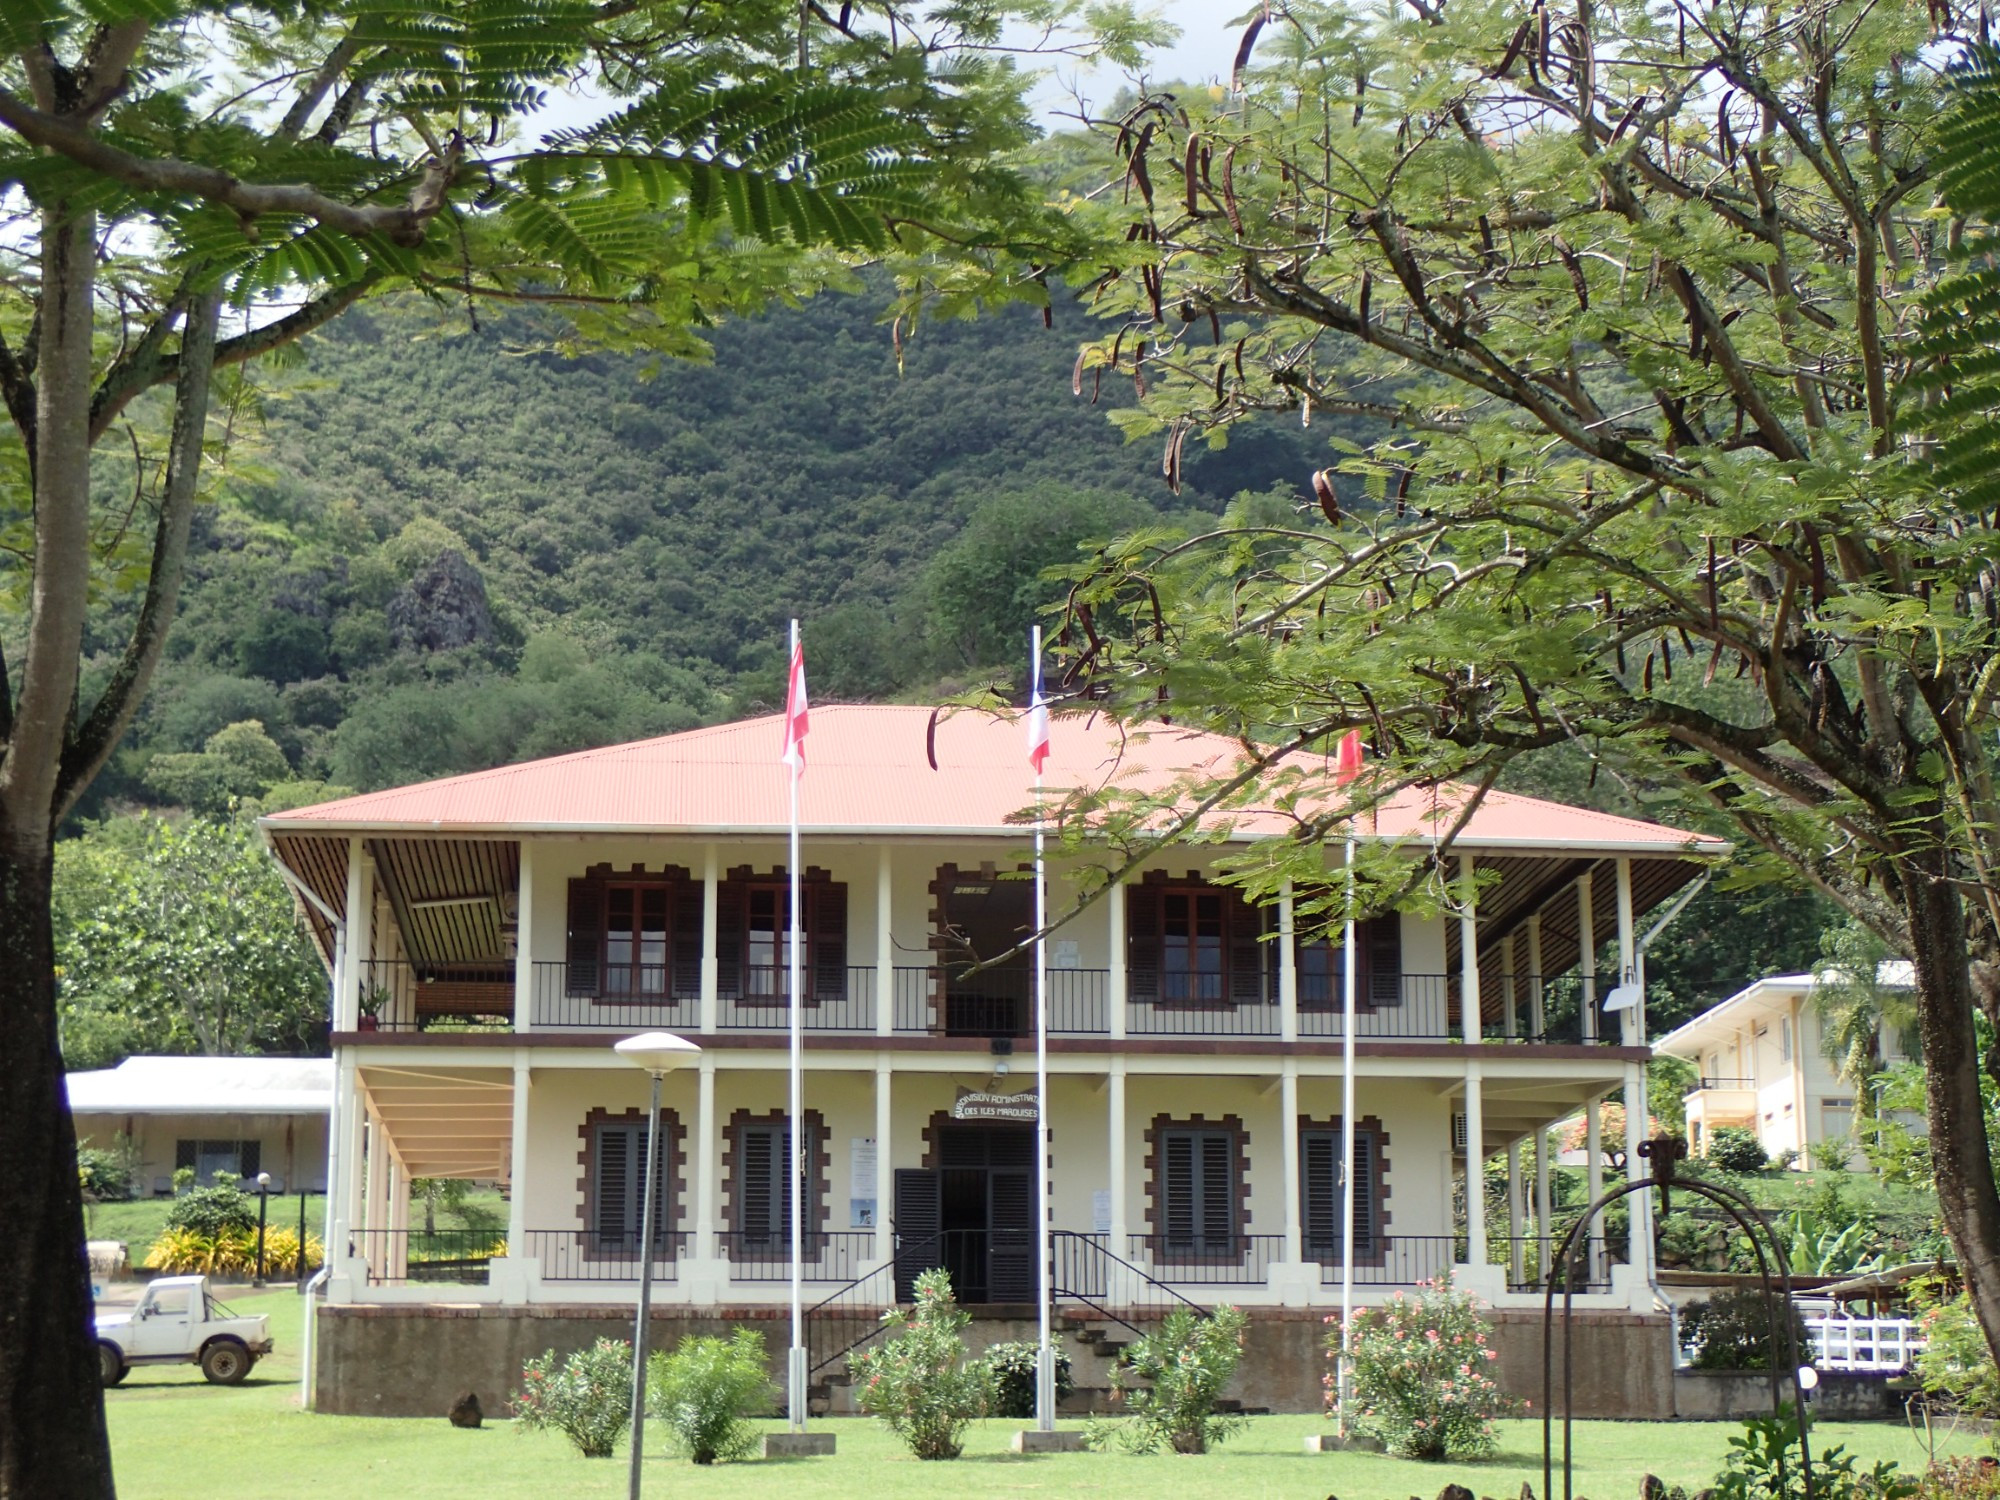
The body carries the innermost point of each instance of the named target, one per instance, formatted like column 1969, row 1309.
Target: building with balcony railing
column 489, row 936
column 1763, row 1066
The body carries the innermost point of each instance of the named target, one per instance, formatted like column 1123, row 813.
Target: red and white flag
column 795, row 712
column 1347, row 764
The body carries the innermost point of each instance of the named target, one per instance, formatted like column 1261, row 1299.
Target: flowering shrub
column 706, row 1391
column 1421, row 1373
column 1016, row 1373
column 1956, row 1366
column 589, row 1400
column 1185, row 1365
column 920, row 1382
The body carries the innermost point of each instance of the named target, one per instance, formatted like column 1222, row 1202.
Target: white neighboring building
column 1762, row 1066
column 214, row 1114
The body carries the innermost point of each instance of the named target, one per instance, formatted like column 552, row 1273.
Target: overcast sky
column 1210, row 31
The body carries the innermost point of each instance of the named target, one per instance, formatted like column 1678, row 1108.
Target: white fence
column 1884, row 1344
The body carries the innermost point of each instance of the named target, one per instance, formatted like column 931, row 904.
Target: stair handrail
column 1090, row 1243
column 844, row 1293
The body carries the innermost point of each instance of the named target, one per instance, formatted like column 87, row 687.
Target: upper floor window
column 1191, row 943
column 634, row 936
column 1378, row 966
column 753, row 936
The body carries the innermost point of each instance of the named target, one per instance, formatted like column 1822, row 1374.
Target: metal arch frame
column 1663, row 1151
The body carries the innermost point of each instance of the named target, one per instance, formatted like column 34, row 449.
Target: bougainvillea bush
column 1422, row 1373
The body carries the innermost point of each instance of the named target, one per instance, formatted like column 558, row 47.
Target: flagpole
column 1045, row 1361
column 795, row 1402
column 1347, row 986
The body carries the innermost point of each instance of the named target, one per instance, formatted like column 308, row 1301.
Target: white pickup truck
column 178, row 1322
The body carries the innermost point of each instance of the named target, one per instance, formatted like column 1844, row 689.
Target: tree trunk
column 52, row 1436
column 1961, row 1160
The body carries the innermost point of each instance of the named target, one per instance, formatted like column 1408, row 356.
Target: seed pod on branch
column 1329, row 501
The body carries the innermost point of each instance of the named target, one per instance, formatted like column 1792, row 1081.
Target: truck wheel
column 111, row 1364
column 225, row 1362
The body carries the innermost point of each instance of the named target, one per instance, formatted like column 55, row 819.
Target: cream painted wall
column 1416, row 1117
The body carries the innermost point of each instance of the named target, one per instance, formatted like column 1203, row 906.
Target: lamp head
column 263, row 1179
column 657, row 1051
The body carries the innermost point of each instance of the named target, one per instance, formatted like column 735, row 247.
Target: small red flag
column 1347, row 765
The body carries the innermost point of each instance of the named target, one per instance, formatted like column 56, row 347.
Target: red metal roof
column 869, row 771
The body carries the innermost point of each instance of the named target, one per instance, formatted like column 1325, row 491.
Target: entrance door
column 982, row 1202
column 983, row 918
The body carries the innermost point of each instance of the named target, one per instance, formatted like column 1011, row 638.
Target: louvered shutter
column 586, row 934
column 1244, row 926
column 729, row 923
column 919, row 1219
column 684, row 937
column 1382, row 939
column 1366, row 1192
column 1010, row 1260
column 1179, row 1216
column 1142, row 943
column 1218, row 1192
column 758, row 1216
column 828, row 932
column 617, row 1175
column 1319, row 1191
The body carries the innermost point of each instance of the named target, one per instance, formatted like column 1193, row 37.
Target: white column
column 1468, row 955
column 347, row 1003
column 1516, row 1213
column 1288, row 985
column 885, row 1166
column 1509, row 1016
column 399, row 1218
column 517, row 1161
column 1121, row 1239
column 1288, row 1095
column 1475, row 1166
column 1114, row 901
column 1586, row 954
column 1544, row 1208
column 342, row 1187
column 885, row 991
column 1537, row 1020
column 711, row 967
column 524, row 946
column 707, row 1162
column 1626, row 1029
column 1593, row 1150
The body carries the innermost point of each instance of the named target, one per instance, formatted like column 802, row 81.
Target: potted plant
column 373, row 998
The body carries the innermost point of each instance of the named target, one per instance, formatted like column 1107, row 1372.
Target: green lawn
column 175, row 1437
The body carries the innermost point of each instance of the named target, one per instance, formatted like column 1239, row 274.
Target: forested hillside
column 445, row 544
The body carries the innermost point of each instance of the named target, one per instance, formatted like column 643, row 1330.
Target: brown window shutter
column 1382, row 959
column 826, row 915
column 729, row 925
column 685, row 937
column 1247, row 985
column 1142, row 943
column 586, row 934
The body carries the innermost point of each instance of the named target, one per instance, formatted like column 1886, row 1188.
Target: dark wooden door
column 983, row 918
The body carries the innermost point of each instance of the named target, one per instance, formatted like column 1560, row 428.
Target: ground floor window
column 615, row 1177
column 1198, row 1186
column 245, row 1159
column 758, row 1182
column 1322, row 1189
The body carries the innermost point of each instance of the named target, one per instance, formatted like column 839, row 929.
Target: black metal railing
column 1500, row 1252
column 1386, row 1259
column 586, row 1255
column 401, row 995
column 1083, row 1270
column 850, row 1317
column 1000, row 1002
column 841, row 1255
column 764, row 1004
column 1147, row 1016
column 1210, row 1260
column 1746, row 1084
column 575, row 997
column 1411, row 1007
column 399, row 1257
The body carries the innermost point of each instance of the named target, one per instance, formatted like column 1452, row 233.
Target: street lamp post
column 659, row 1053
column 263, row 1213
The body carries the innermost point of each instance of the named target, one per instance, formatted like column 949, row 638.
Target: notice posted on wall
column 1100, row 1211
column 862, row 1189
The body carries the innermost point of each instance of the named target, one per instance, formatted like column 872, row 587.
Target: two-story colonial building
column 491, row 936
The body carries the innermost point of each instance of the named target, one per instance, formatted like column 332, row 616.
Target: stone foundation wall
column 411, row 1361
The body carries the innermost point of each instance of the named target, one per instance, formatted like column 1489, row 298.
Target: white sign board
column 995, row 1107
column 862, row 1182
